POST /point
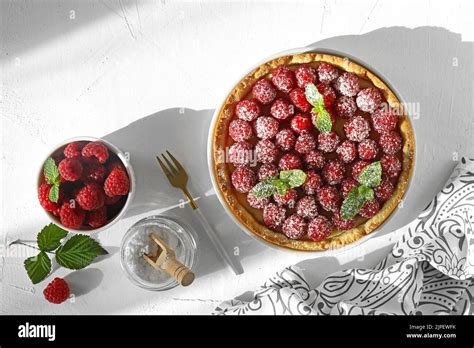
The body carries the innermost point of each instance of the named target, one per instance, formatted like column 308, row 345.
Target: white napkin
column 429, row 270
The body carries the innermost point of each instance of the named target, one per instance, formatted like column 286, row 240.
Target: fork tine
column 170, row 166
column 175, row 161
column 163, row 167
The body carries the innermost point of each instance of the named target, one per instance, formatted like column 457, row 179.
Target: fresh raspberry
column 312, row 183
column 239, row 153
column 342, row 224
column 266, row 127
column 347, row 151
column 345, row 107
column 117, row 183
column 329, row 96
column 281, row 109
column 289, row 161
column 243, row 179
column 43, row 196
column 347, row 84
column 70, row 169
column 327, row 72
column 96, row 149
column 307, row 207
column 333, row 172
column 57, row 291
column 369, row 99
column 73, row 150
column 327, row 142
column 97, row 218
column 111, row 200
column 357, row 168
column 314, row 160
column 347, row 185
column 247, row 110
column 328, row 198
column 273, row 215
column 257, row 203
column 305, row 74
column 390, row 143
column 93, row 172
column 368, row 149
column 384, row 120
column 266, row 151
column 240, row 130
column 319, row 228
column 391, row 166
column 91, row 197
column 285, row 139
column 264, row 91
column 298, row 98
column 305, row 143
column 384, row 191
column 283, row 79
column 357, row 129
column 288, row 199
column 370, row 209
column 71, row 215
column 266, row 171
column 294, row 227
column 301, row 123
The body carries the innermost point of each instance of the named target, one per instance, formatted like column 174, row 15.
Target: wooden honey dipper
column 165, row 260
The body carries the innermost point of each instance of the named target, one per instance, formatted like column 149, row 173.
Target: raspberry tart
column 311, row 151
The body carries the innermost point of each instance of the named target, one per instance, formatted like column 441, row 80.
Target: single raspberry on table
column 327, row 72
column 91, row 197
column 71, row 215
column 329, row 96
column 347, row 151
column 264, row 91
column 312, row 183
column 93, row 172
column 294, row 227
column 281, row 109
column 266, row 151
column 298, row 98
column 319, row 228
column 239, row 153
column 57, row 291
column 73, row 150
column 391, row 166
column 328, row 198
column 314, row 160
column 327, row 142
column 369, row 209
column 333, row 172
column 70, row 169
column 257, row 203
column 305, row 143
column 283, row 79
column 266, row 171
column 347, row 185
column 43, row 196
column 357, row 129
column 384, row 120
column 266, row 127
column 288, row 199
column 285, row 139
column 307, row 207
column 273, row 215
column 369, row 99
column 300, row 123
column 247, row 110
column 340, row 223
column 305, row 74
column 289, row 161
column 347, row 84
column 96, row 149
column 384, row 191
column 390, row 143
column 345, row 107
column 368, row 149
column 97, row 218
column 240, row 130
column 117, row 183
column 357, row 168
column 243, row 179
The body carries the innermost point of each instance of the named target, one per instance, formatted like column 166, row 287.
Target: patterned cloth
column 429, row 270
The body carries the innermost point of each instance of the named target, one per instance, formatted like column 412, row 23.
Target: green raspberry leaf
column 78, row 252
column 312, row 94
column 38, row 267
column 371, row 175
column 54, row 193
column 293, row 177
column 323, row 120
column 50, row 237
column 51, row 171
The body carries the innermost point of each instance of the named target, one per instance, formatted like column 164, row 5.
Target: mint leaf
column 355, row 200
column 371, row 175
column 294, row 177
column 51, row 171
column 366, row 192
column 54, row 193
column 281, row 186
column 38, row 267
column 265, row 188
column 50, row 237
column 323, row 120
column 78, row 252
column 312, row 94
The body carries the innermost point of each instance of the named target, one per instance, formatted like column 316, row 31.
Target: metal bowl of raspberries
column 86, row 184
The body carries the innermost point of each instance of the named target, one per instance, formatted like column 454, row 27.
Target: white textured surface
column 91, row 68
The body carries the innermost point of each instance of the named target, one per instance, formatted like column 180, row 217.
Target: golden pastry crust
column 222, row 171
